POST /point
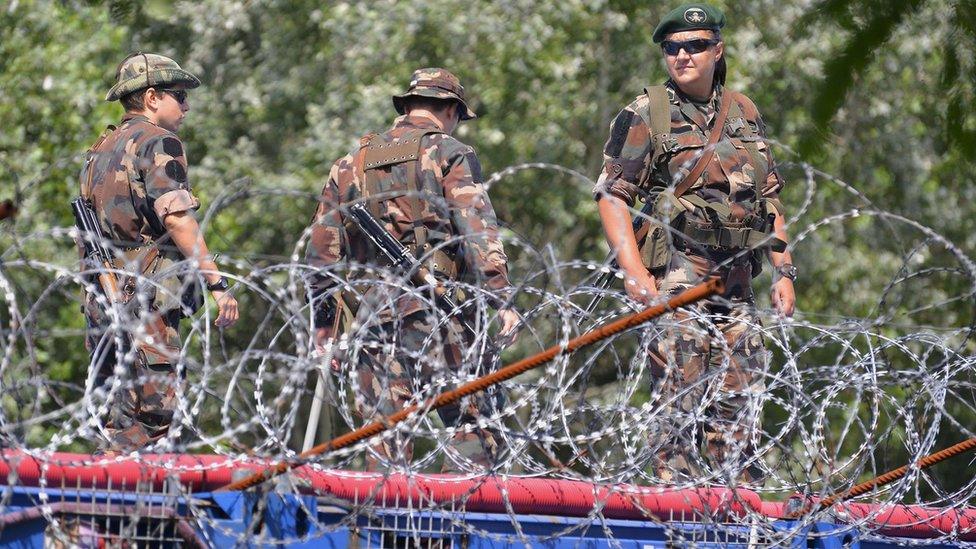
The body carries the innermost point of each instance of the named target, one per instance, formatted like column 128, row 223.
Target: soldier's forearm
column 619, row 230
column 185, row 233
column 779, row 227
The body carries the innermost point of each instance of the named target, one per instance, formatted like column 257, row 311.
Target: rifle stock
column 92, row 239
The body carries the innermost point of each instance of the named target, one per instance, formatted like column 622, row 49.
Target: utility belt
column 167, row 288
column 728, row 232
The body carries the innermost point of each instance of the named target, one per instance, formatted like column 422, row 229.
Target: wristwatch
column 787, row 270
column 219, row 286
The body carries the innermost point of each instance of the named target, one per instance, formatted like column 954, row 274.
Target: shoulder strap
column 90, row 159
column 718, row 126
column 744, row 107
column 659, row 119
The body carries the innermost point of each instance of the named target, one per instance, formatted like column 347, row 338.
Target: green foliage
column 878, row 94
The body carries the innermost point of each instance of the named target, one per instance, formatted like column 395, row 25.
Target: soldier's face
column 693, row 71
column 169, row 110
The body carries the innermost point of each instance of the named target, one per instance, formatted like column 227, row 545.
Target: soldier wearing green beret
column 695, row 152
column 135, row 179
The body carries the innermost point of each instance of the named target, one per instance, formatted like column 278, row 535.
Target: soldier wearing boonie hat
column 428, row 190
column 140, row 70
column 135, row 179
column 435, row 83
column 697, row 153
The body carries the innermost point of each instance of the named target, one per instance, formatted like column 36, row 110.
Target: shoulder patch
column 475, row 164
column 172, row 147
column 618, row 133
column 175, row 171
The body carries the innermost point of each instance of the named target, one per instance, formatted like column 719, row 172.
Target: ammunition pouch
column 179, row 291
column 721, row 235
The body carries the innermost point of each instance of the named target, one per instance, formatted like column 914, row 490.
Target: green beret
column 146, row 70
column 689, row 17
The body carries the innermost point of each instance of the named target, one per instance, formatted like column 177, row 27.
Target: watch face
column 220, row 285
column 788, row 271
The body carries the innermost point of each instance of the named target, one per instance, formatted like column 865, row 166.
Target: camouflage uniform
column 135, row 175
column 697, row 373
column 435, row 199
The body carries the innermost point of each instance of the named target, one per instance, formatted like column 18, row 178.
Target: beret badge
column 695, row 16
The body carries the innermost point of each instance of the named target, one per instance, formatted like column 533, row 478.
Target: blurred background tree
column 877, row 94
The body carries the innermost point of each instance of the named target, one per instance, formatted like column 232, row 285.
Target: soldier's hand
column 510, row 321
column 783, row 296
column 322, row 338
column 640, row 287
column 227, row 312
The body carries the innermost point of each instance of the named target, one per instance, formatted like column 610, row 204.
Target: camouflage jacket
column 454, row 204
column 138, row 176
column 732, row 173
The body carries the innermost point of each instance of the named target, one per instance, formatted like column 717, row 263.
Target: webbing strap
column 373, row 156
column 90, row 160
column 718, row 128
column 659, row 120
column 760, row 167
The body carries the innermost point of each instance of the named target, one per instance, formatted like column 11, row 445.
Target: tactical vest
column 378, row 154
column 729, row 230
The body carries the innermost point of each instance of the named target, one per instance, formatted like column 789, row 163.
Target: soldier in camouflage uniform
column 710, row 363
column 426, row 188
column 135, row 178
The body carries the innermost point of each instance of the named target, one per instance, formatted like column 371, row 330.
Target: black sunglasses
column 697, row 45
column 178, row 95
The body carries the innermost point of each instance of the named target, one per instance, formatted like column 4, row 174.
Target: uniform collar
column 677, row 96
column 697, row 112
column 416, row 122
column 129, row 117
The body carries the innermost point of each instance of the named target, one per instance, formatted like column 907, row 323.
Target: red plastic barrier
column 903, row 521
column 201, row 473
column 483, row 494
column 535, row 495
column 196, row 472
column 913, row 521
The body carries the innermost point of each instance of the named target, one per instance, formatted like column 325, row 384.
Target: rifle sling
column 718, row 126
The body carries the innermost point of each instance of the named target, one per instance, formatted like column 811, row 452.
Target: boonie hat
column 436, row 83
column 146, row 70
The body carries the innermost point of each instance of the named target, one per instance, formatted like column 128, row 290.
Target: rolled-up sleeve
column 626, row 157
column 179, row 200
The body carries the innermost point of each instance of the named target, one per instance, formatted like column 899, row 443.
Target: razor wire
column 839, row 396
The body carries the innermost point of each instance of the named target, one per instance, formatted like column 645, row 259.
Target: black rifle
column 93, row 240
column 606, row 279
column 405, row 261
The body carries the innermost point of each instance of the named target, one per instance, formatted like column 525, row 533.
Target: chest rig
column 728, row 229
column 377, row 155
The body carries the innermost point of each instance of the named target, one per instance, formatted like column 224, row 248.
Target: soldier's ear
column 151, row 98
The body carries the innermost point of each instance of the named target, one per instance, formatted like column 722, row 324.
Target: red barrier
column 540, row 496
column 903, row 521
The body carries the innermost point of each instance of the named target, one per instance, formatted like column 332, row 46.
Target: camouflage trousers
column 397, row 366
column 141, row 406
column 708, row 361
